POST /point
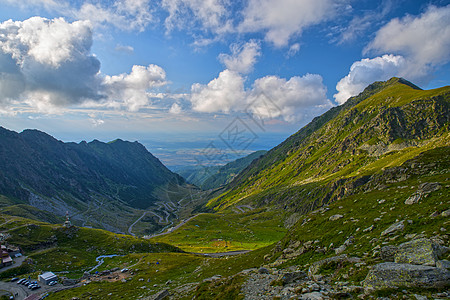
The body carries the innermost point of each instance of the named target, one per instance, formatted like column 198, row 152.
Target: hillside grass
column 222, row 232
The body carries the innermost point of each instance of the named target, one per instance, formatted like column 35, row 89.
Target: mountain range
column 56, row 177
column 354, row 205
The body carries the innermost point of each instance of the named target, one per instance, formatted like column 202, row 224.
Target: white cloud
column 242, row 58
column 223, row 93
column 175, row 109
column 123, row 14
column 424, row 40
column 293, row 50
column 366, row 71
column 130, row 90
column 124, row 49
column 291, row 100
column 212, row 15
column 48, row 65
column 282, row 19
column 47, row 62
column 418, row 46
column 270, row 97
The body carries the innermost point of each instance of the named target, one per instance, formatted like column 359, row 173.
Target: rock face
column 419, row 252
column 391, row 275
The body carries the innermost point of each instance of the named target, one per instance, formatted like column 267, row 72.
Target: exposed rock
column 444, row 264
column 164, row 294
column 387, row 253
column 419, row 252
column 429, row 187
column 391, row 275
column 340, row 249
column 420, row 297
column 414, row 198
column 370, row 228
column 335, row 217
column 290, row 277
column 263, row 270
column 313, row 296
column 446, row 213
column 394, row 228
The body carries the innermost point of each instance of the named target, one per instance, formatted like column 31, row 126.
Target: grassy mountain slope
column 385, row 125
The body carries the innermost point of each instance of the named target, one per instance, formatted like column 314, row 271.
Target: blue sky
column 176, row 74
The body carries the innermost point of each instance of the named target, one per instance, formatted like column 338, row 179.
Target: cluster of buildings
column 8, row 252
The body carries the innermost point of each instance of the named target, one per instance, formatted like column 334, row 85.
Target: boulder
column 394, row 228
column 393, row 275
column 291, row 277
column 335, row 217
column 414, row 198
column 263, row 270
column 313, row 296
column 418, row 252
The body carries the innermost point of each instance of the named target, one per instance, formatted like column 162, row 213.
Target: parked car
column 21, row 280
column 52, row 283
column 14, row 279
column 35, row 287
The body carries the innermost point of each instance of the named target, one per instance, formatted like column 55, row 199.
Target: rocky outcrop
column 341, row 259
column 419, row 252
column 392, row 275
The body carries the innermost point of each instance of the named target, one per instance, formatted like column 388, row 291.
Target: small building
column 47, row 277
column 5, row 259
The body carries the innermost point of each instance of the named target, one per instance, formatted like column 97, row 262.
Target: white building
column 47, row 277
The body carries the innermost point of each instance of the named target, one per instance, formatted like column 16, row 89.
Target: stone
column 418, row 252
column 429, row 187
column 420, row 297
column 370, row 228
column 312, row 296
column 394, row 228
column 290, row 277
column 414, row 198
column 443, row 264
column 340, row 249
column 393, row 275
column 387, row 253
column 335, row 217
column 263, row 270
column 161, row 295
column 446, row 213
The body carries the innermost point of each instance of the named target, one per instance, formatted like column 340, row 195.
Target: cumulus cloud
column 175, row 109
column 282, row 19
column 242, row 58
column 130, row 90
column 366, row 71
column 212, row 15
column 48, row 64
column 424, row 40
column 417, row 46
column 292, row 100
column 270, row 97
column 223, row 93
